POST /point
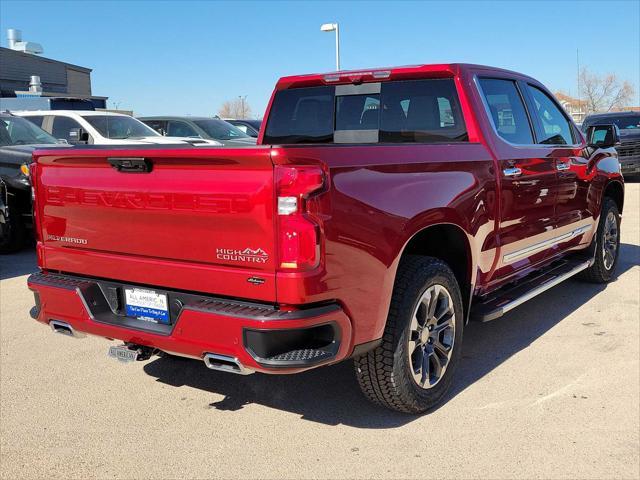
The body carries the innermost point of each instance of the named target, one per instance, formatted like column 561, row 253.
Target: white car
column 102, row 128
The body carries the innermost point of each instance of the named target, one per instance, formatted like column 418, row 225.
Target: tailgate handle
column 131, row 165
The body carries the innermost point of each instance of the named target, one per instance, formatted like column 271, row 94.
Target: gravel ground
column 551, row 390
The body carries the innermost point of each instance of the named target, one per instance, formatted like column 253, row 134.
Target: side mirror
column 78, row 135
column 603, row 136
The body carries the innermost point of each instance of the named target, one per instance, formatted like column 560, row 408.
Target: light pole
column 242, row 100
column 330, row 27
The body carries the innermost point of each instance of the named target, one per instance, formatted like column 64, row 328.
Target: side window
column 36, row 120
column 552, row 127
column 507, row 110
column 159, row 126
column 62, row 126
column 180, row 129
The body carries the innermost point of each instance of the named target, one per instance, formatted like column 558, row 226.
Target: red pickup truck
column 380, row 211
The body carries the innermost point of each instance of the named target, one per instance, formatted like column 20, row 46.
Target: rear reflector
column 298, row 240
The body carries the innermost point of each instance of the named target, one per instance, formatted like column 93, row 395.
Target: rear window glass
column 424, row 111
column 301, row 115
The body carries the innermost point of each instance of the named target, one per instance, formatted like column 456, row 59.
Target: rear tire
column 606, row 244
column 412, row 369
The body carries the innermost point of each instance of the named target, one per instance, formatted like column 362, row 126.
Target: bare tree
column 604, row 93
column 236, row 108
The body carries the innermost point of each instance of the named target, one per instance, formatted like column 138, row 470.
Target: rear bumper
column 262, row 337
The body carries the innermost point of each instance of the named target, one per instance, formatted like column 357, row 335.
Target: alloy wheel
column 431, row 336
column 610, row 241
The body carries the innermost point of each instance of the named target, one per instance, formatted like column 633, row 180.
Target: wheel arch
column 450, row 243
column 615, row 191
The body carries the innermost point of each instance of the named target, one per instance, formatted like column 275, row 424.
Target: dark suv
column 18, row 139
column 629, row 149
column 199, row 127
column 250, row 127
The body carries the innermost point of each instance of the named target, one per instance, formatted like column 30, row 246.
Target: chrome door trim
column 525, row 252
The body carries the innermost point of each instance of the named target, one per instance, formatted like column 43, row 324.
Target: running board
column 508, row 298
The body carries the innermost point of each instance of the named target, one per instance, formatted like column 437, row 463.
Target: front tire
column 606, row 244
column 412, row 369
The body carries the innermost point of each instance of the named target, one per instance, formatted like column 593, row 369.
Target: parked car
column 250, row 127
column 101, row 128
column 18, row 139
column 382, row 211
column 199, row 127
column 629, row 125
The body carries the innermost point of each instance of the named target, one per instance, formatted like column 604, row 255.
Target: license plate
column 146, row 305
column 123, row 354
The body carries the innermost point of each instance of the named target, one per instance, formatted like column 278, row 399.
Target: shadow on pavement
column 18, row 264
column 330, row 395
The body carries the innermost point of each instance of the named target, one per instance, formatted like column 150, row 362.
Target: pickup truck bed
column 360, row 226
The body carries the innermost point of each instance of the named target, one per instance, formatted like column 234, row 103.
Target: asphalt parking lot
column 549, row 391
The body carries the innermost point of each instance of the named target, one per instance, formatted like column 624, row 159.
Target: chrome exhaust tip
column 64, row 328
column 225, row 363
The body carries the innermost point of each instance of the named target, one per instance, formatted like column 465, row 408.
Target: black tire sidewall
column 428, row 398
column 608, row 207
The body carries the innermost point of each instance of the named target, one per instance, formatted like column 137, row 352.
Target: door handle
column 563, row 166
column 131, row 165
column 512, row 172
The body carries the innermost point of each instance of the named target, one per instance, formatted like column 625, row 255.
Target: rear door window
column 507, row 110
column 419, row 111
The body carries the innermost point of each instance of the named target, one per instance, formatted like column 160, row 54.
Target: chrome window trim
column 487, row 111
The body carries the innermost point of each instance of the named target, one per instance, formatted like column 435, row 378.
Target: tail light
column 34, row 208
column 298, row 232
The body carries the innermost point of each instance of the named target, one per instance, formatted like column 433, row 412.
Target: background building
column 574, row 107
column 20, row 62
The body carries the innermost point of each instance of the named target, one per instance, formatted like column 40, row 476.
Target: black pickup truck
column 18, row 139
column 629, row 149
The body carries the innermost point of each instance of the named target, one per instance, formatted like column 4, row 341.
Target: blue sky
column 183, row 57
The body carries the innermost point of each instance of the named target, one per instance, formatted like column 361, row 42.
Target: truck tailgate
column 198, row 219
